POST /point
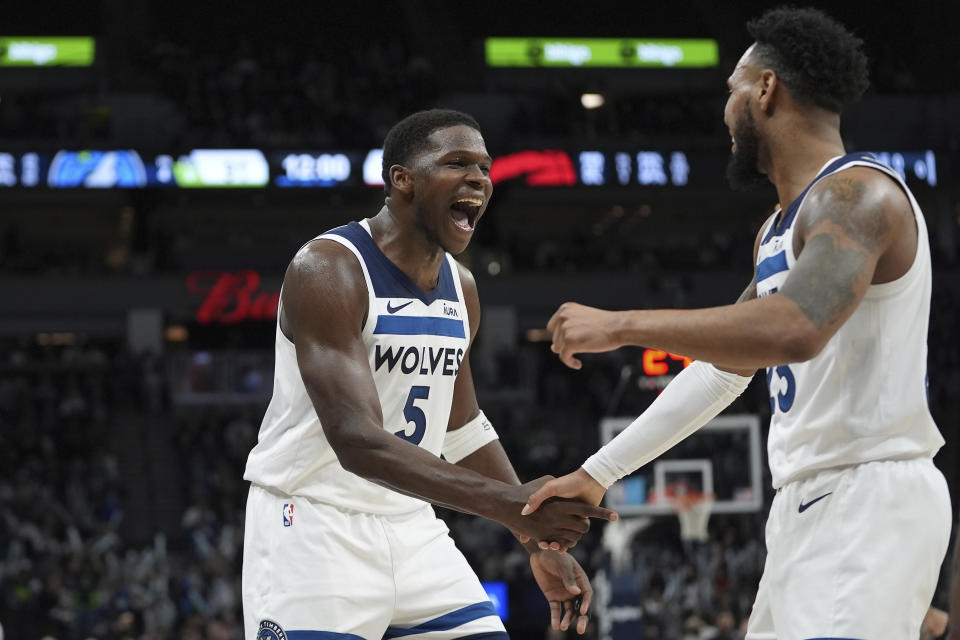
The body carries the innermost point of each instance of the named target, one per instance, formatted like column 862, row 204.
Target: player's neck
column 798, row 155
column 408, row 248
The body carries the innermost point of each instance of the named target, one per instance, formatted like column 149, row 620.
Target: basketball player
column 372, row 383
column 837, row 314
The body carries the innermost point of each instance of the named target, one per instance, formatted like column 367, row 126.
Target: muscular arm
column 849, row 222
column 324, row 305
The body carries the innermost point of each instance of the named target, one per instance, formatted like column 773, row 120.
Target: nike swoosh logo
column 392, row 309
column 804, row 507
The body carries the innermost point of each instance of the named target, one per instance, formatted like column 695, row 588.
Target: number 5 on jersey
column 415, row 414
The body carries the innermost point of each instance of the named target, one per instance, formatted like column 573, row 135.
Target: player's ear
column 401, row 179
column 767, row 88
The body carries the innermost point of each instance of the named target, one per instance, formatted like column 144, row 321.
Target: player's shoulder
column 859, row 199
column 323, row 288
column 323, row 255
column 321, row 267
column 858, row 187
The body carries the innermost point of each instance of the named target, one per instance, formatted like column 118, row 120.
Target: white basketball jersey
column 862, row 398
column 415, row 342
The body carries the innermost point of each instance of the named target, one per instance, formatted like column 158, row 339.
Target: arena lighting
column 176, row 333
column 592, row 100
column 601, row 52
column 43, row 51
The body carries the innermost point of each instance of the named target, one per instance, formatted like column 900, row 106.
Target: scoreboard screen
column 340, row 168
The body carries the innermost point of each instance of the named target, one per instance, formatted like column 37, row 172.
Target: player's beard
column 742, row 171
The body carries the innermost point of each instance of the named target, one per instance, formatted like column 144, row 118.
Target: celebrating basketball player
column 837, row 314
column 372, row 383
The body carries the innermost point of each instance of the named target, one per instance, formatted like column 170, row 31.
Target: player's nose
column 476, row 177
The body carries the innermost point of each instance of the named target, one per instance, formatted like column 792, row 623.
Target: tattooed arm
column 856, row 228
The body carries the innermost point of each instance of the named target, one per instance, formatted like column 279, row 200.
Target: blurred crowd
column 68, row 569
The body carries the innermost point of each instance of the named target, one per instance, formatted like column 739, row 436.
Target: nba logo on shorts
column 288, row 514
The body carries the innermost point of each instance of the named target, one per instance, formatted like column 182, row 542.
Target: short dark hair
column 409, row 136
column 818, row 60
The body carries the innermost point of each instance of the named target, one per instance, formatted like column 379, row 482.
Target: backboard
column 723, row 458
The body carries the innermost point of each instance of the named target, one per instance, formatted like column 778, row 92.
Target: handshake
column 554, row 512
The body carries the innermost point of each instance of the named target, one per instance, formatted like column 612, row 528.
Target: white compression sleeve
column 692, row 399
column 460, row 443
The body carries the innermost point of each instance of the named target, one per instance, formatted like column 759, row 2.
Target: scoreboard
column 341, row 168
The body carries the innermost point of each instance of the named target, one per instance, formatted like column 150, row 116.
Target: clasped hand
column 557, row 521
column 579, row 486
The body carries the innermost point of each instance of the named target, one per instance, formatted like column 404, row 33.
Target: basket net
column 693, row 511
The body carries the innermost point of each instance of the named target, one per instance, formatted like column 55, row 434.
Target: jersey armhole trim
column 458, row 285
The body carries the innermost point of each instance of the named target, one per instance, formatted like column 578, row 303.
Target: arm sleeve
column 692, row 399
column 460, row 443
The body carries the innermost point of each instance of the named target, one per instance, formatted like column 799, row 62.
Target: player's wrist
column 593, row 490
column 624, row 328
column 500, row 502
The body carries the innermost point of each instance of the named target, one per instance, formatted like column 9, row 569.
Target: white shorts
column 853, row 553
column 315, row 572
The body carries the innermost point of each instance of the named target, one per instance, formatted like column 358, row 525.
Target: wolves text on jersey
column 422, row 360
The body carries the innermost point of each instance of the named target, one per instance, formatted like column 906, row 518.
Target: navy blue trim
column 389, row 281
column 321, row 635
column 771, row 265
column 778, row 228
column 489, row 635
column 447, row 621
column 419, row 326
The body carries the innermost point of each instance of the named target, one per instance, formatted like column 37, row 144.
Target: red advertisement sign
column 232, row 297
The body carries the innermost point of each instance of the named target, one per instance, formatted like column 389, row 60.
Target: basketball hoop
column 693, row 511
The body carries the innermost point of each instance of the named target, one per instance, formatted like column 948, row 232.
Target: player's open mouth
column 465, row 212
